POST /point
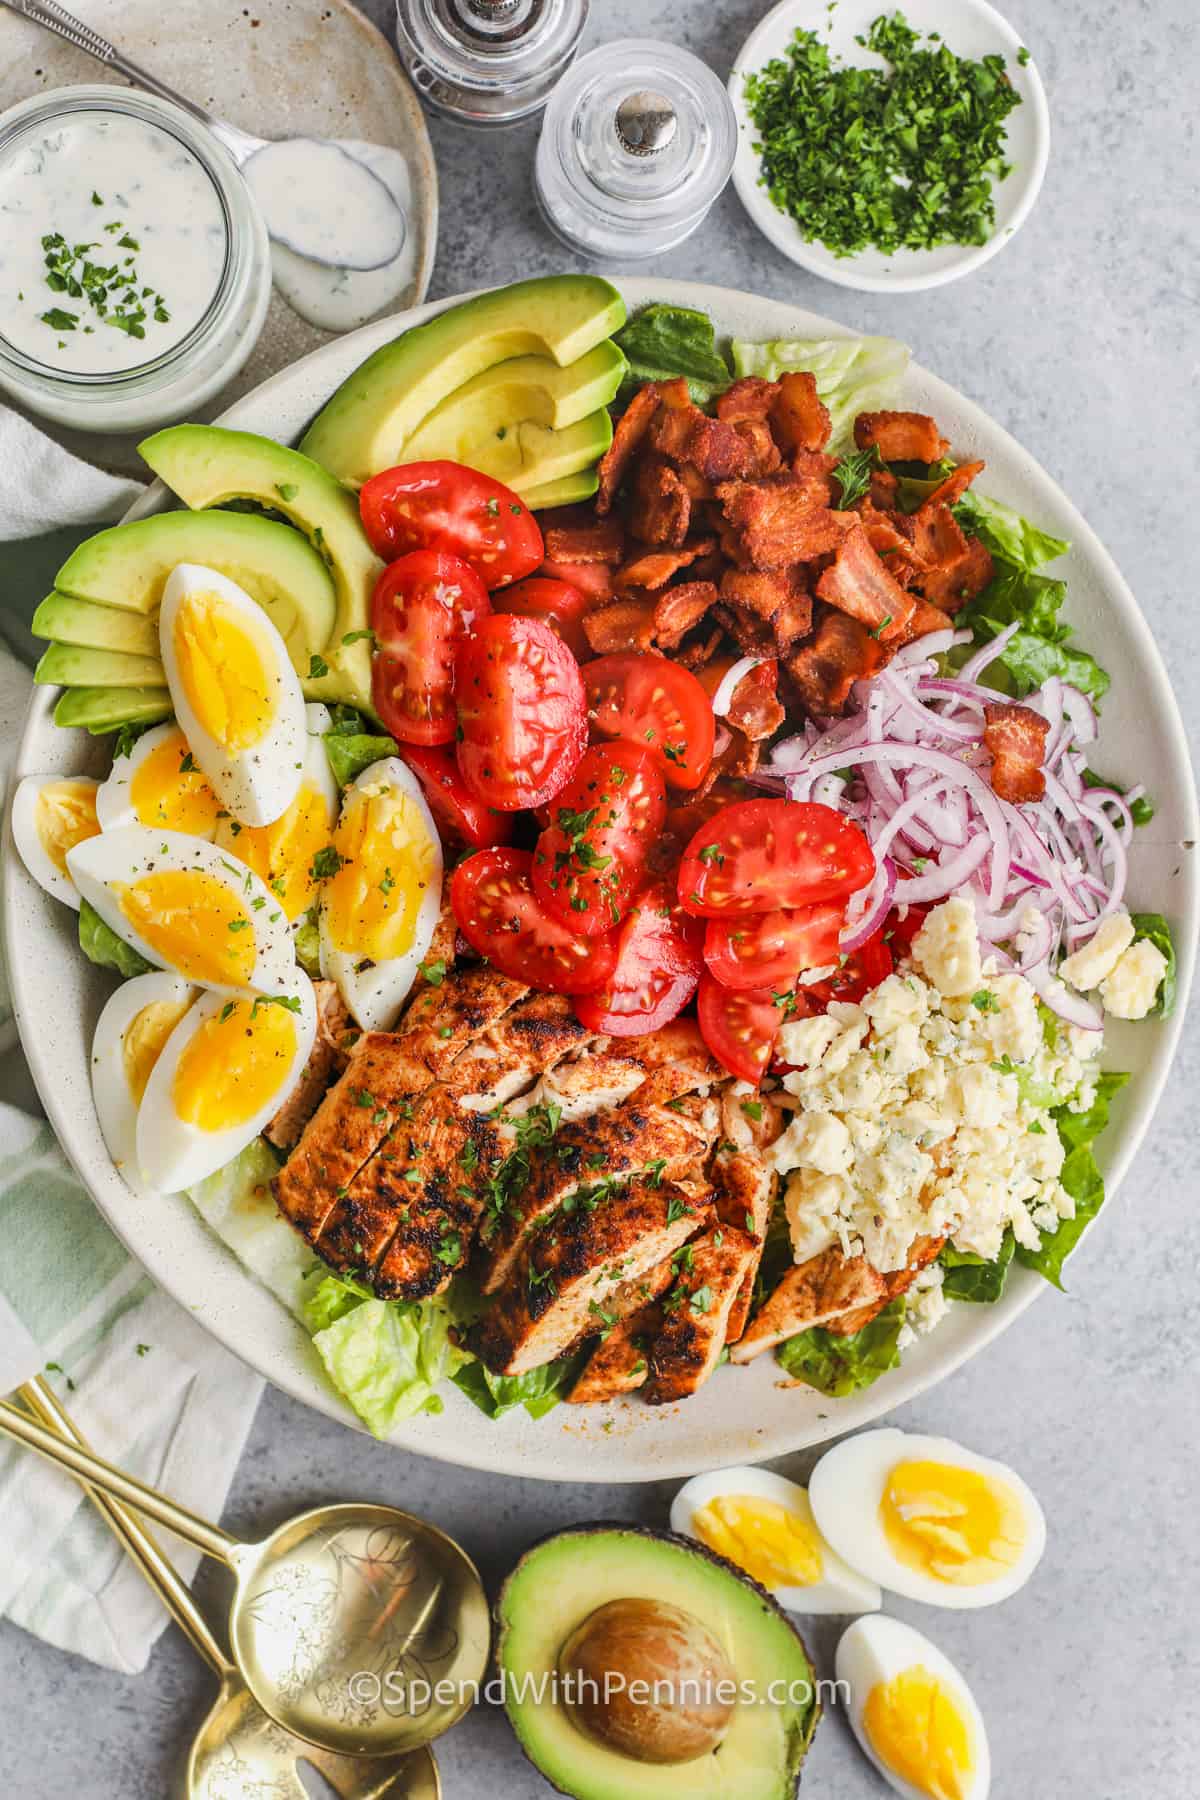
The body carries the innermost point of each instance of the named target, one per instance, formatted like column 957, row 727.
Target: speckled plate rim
column 743, row 1415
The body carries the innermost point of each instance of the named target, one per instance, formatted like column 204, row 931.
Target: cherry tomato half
column 760, row 855
column 658, row 969
column 769, row 950
column 457, row 813
column 446, row 506
column 591, row 859
column 592, row 579
column 562, row 606
column 499, row 914
column 862, row 970
column 424, row 604
column 739, row 1028
column 655, row 702
column 522, row 713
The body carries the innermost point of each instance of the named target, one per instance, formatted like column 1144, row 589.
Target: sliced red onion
column 879, row 900
column 1082, row 714
column 727, row 686
column 949, row 877
column 1071, row 1007
column 973, row 668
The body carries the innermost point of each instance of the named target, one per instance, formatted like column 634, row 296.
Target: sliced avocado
column 374, row 413
column 566, row 1579
column 75, row 665
column 127, row 567
column 566, row 491
column 208, row 466
column 71, row 621
column 484, row 412
column 533, row 456
column 99, row 709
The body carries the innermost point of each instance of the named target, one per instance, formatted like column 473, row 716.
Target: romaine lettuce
column 968, row 1277
column 537, row 1391
column 1080, row 1176
column 663, row 341
column 1154, row 927
column 385, row 1357
column 102, row 946
column 838, row 1366
column 854, row 374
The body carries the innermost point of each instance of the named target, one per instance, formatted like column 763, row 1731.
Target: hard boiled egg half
column 130, row 1034
column 52, row 814
column 223, row 1073
column 186, row 906
column 158, row 784
column 927, row 1518
column 764, row 1523
column 236, row 695
column 381, row 892
column 283, row 852
column 912, row 1712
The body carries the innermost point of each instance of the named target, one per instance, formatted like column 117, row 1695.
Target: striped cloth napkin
column 144, row 1383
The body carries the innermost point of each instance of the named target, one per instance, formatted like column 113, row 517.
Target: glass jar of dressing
column 135, row 268
column 638, row 141
column 488, row 62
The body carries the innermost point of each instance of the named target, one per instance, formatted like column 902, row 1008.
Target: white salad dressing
column 325, row 204
column 113, row 243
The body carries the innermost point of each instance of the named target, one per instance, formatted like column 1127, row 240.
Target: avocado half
column 565, row 1577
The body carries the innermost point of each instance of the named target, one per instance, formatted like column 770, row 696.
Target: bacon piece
column 815, row 469
column 776, row 595
column 685, row 435
column 700, row 650
column 574, row 535
column 754, row 707
column 763, row 451
column 748, row 398
column 951, row 586
column 890, row 536
column 1016, row 737
column 628, row 434
column 841, row 653
column 798, row 418
column 882, row 491
column 857, row 583
column 662, row 507
column 752, row 635
column 925, row 618
column 938, row 538
column 774, row 522
column 656, row 567
column 900, row 436
column 679, row 610
column 625, row 625
column 955, row 485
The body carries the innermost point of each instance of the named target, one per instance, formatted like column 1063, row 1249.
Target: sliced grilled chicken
column 570, row 1268
column 329, row 1054
column 811, row 1293
column 743, row 1191
column 696, row 1312
column 531, row 1038
column 620, row 1363
column 443, row 1021
column 924, row 1250
column 676, row 1062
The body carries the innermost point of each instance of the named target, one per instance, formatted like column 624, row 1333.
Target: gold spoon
column 356, row 1627
column 238, row 1749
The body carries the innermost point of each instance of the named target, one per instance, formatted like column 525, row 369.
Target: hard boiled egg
column 224, row 1072
column 50, row 815
column 764, row 1523
column 235, row 692
column 381, row 897
column 283, row 852
column 927, row 1518
column 130, row 1033
column 912, row 1712
column 187, row 906
column 158, row 784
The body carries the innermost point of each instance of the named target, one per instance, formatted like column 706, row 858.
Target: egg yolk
column 955, row 1525
column 917, row 1729
column 66, row 816
column 283, row 853
column 194, row 923
column 774, row 1544
column 144, row 1038
column 167, row 790
column 226, row 671
column 234, row 1064
column 370, row 904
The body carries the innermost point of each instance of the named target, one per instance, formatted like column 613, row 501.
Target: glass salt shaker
column 637, row 142
column 488, row 62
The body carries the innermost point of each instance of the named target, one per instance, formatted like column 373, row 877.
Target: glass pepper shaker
column 488, row 62
column 637, row 142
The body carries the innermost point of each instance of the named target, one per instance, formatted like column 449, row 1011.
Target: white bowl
column 743, row 1415
column 970, row 28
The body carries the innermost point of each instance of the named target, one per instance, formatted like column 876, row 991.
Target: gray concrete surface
column 1081, row 339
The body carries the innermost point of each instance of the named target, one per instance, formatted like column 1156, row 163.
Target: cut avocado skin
column 566, row 1576
column 208, row 466
column 365, row 426
column 98, row 709
column 569, row 490
column 481, row 416
column 82, row 622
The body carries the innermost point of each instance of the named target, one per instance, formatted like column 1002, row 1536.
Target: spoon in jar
column 237, row 1741
column 316, row 199
column 359, row 1628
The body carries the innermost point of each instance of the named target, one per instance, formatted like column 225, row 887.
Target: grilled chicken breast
column 329, row 1054
column 713, row 1270
column 811, row 1293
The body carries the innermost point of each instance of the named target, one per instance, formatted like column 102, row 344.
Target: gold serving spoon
column 238, row 1749
column 359, row 1628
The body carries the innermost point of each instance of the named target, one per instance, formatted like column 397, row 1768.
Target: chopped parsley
column 113, row 293
column 317, row 667
column 985, row 1001
column 325, row 863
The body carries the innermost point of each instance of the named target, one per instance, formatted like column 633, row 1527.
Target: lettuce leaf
column 1155, row 927
column 307, row 939
column 236, row 1203
column 537, row 1391
column 1141, row 810
column 1080, row 1176
column 856, row 374
column 385, row 1357
column 663, row 341
column 1006, row 534
column 838, row 1366
column 966, row 1276
column 102, row 946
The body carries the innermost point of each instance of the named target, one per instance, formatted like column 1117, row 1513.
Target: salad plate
column 748, row 1414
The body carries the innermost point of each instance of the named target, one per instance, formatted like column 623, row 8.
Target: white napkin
column 145, row 1385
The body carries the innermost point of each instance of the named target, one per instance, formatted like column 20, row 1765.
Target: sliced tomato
column 655, row 702
column 591, row 859
column 739, row 1028
column 522, row 713
column 761, row 855
column 499, row 914
column 424, row 604
column 457, row 813
column 592, row 579
column 562, row 606
column 657, row 972
column 446, row 506
column 770, row 950
column 862, row 970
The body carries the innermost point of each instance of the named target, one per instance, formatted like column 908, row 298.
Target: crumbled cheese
column 946, row 948
column 926, row 1306
column 1132, row 988
column 1097, row 958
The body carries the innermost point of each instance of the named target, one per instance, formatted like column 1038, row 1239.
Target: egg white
column 116, row 1104
column 840, row 1590
column 114, row 803
column 172, row 1152
column 846, row 1489
column 32, row 851
column 103, row 864
column 317, row 776
column 257, row 784
column 875, row 1650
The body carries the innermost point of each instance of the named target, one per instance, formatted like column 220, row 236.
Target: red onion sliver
column 727, row 686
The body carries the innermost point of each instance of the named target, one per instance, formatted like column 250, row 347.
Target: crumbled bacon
column 624, row 625
column 798, row 418
column 762, row 450
column 749, row 398
column 656, row 567
column 754, row 707
column 951, row 491
column 775, row 523
column 695, row 652
column 960, row 581
column 882, row 491
column 573, row 534
column 661, row 508
column 858, row 583
column 679, row 610
column 752, row 635
column 925, row 618
column 1015, row 736
column 628, row 434
column 841, row 653
column 777, row 595
column 900, row 436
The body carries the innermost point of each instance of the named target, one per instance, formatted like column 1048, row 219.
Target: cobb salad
column 615, row 892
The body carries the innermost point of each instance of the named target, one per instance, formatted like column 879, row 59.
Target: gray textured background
column 1080, row 338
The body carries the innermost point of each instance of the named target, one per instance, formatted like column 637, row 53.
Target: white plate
column 971, row 28
column 742, row 1415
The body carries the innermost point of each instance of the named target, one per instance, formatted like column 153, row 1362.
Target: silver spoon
column 352, row 197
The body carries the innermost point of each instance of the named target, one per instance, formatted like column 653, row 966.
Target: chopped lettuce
column 663, row 341
column 854, row 374
column 237, row 1204
column 1154, row 927
column 838, row 1366
column 385, row 1357
column 1006, row 534
column 307, row 939
column 966, row 1276
column 1080, row 1176
column 537, row 1391
column 101, row 945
